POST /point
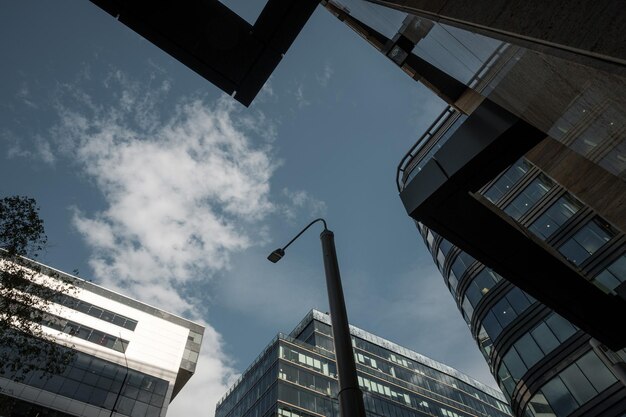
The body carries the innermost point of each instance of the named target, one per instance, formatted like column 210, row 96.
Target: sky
column 153, row 183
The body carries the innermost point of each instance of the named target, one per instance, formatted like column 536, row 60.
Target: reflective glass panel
column 528, row 197
column 613, row 275
column 559, row 397
column 598, row 374
column 553, row 218
column 506, row 181
column 591, row 237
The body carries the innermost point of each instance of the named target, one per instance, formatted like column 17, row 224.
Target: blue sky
column 151, row 182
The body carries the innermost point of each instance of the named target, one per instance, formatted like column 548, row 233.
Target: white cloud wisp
column 183, row 193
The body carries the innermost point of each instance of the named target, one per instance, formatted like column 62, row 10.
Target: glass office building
column 518, row 191
column 545, row 365
column 296, row 376
column 560, row 235
column 128, row 358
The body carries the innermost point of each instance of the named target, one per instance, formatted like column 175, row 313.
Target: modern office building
column 545, row 365
column 129, row 358
column 295, row 376
column 506, row 102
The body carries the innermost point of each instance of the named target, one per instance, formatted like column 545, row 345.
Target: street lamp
column 350, row 396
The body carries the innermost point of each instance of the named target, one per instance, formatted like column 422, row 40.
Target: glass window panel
column 504, row 313
column 288, row 394
column 83, row 393
column 518, row 300
column 468, row 310
column 528, row 197
column 553, row 218
column 98, row 397
column 562, row 328
column 506, row 379
column 544, row 337
column 461, row 263
column 68, row 388
column 430, row 239
column 97, row 336
column 153, row 411
column 578, row 385
column 445, row 246
column 586, row 241
column 95, row 311
column 597, row 373
column 528, row 350
column 539, row 406
column 454, row 282
column 613, row 275
column 514, row 364
column 506, row 181
column 140, row 409
column 491, row 325
column 559, row 397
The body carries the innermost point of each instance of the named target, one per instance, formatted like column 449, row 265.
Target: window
column 528, row 197
column 591, row 237
column 553, row 218
column 612, row 276
column 445, row 246
column 573, row 387
column 505, row 311
column 507, row 180
column 480, row 285
column 461, row 263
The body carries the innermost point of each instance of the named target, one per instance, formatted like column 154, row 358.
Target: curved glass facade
column 544, row 365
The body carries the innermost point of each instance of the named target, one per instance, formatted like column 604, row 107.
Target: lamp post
column 350, row 395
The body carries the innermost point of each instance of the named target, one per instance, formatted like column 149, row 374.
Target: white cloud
column 325, row 76
column 300, row 99
column 300, row 200
column 183, row 192
column 23, row 94
column 39, row 149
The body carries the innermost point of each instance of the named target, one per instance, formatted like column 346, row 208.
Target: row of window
column 95, row 311
column 87, row 308
column 84, row 332
column 458, row 268
column 249, row 378
column 476, row 290
column 437, row 382
column 318, row 383
column 434, row 388
column 507, row 309
column 305, row 399
column 532, row 347
column 422, row 384
column 260, row 389
column 265, row 406
column 571, row 388
column 420, row 375
column 99, row 382
column 583, row 244
column 319, row 364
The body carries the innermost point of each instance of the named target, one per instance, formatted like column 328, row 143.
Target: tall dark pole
column 350, row 395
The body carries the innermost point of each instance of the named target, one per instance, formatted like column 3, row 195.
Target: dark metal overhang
column 443, row 196
column 214, row 41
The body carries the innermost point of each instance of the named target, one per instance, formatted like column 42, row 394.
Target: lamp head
column 276, row 255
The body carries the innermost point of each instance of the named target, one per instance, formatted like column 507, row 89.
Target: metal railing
column 443, row 122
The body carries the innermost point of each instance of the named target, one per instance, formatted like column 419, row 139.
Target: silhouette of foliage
column 27, row 294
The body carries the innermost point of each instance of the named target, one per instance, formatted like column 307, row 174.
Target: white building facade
column 130, row 359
